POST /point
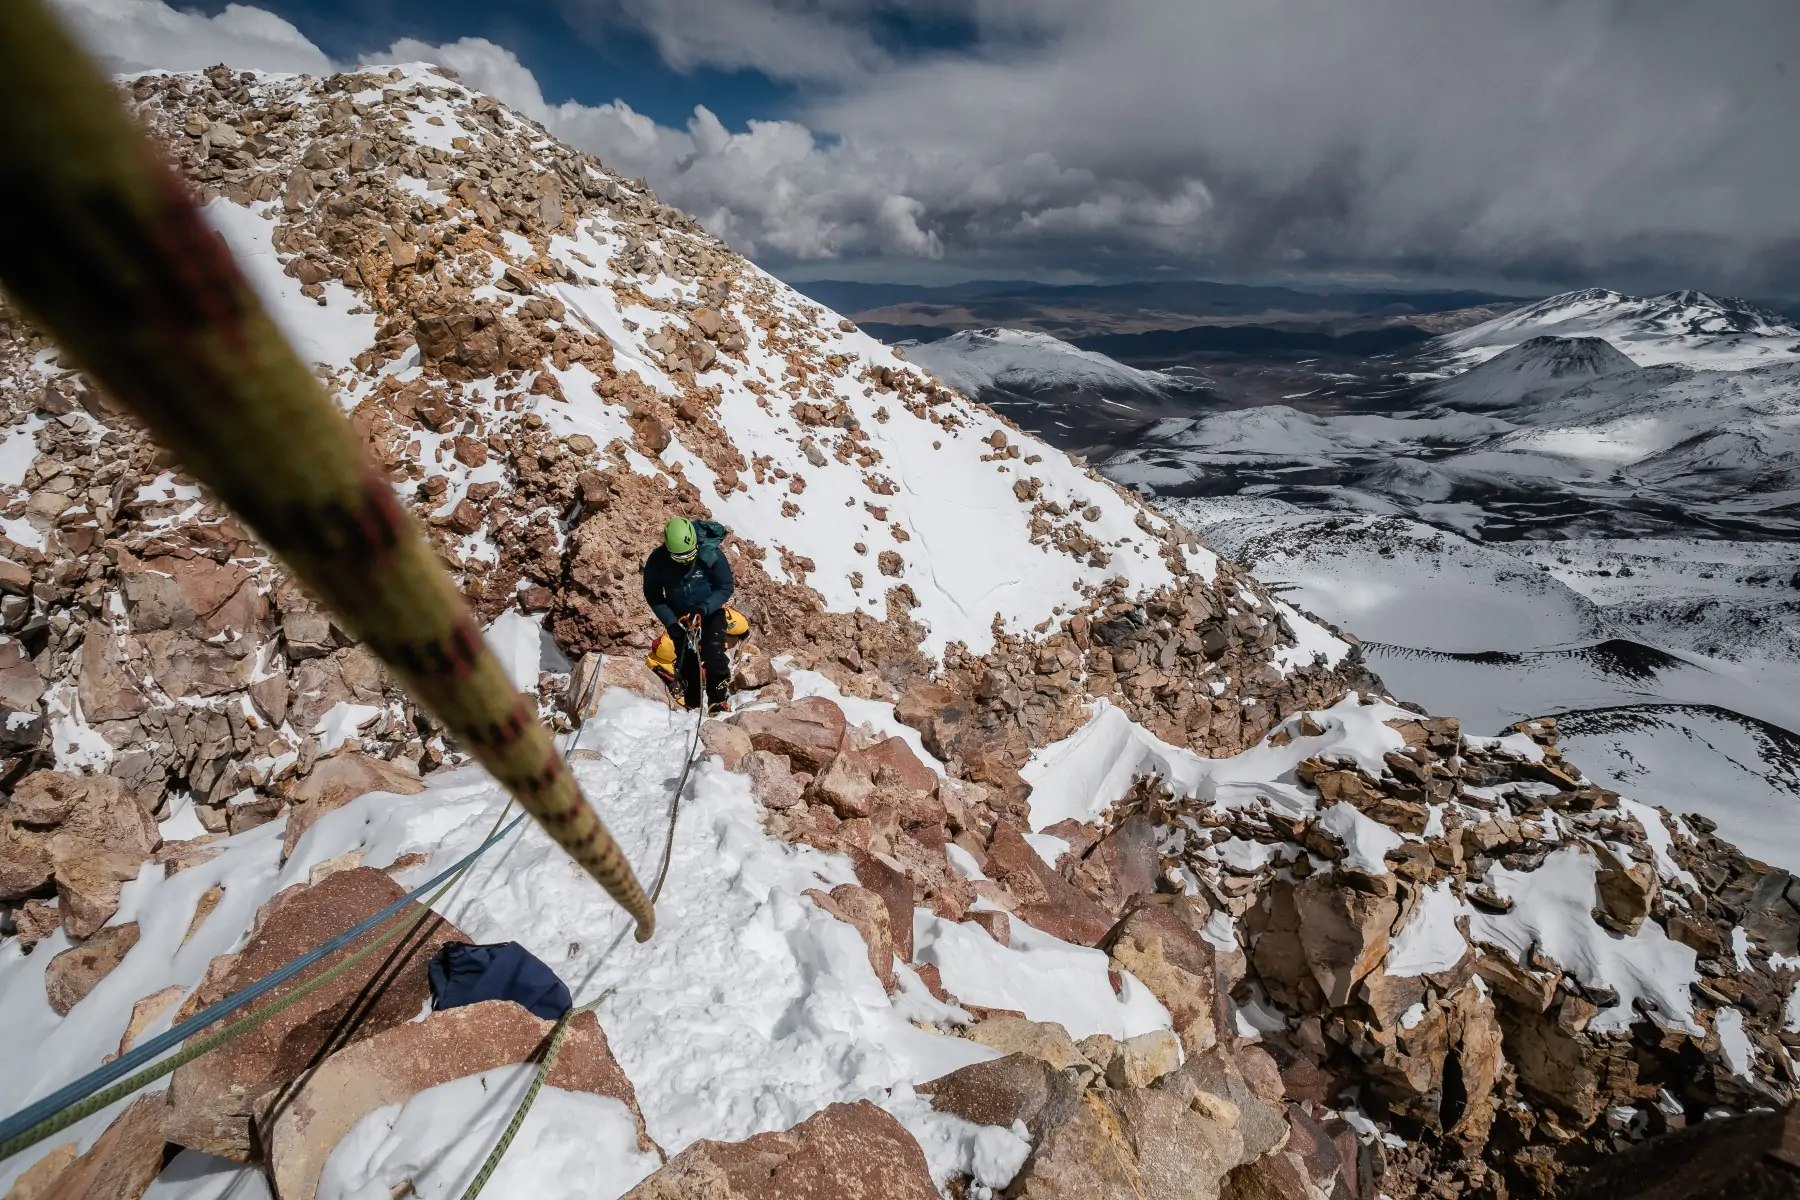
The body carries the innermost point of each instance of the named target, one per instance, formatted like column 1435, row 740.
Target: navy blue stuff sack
column 470, row 974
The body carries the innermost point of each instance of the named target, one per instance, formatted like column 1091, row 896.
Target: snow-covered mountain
column 1686, row 327
column 1026, row 360
column 1549, row 531
column 1543, row 366
column 1048, row 854
column 1080, row 400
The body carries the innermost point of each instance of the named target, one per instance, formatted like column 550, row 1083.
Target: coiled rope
column 102, row 245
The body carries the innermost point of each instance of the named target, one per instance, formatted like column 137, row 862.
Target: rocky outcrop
column 301, row 1130
column 72, row 974
column 336, row 781
column 846, row 1152
column 121, row 1164
column 84, row 836
column 214, row 1099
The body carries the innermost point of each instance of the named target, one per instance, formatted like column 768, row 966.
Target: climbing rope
column 562, row 1026
column 102, row 245
column 543, row 1072
column 687, row 768
column 90, row 1093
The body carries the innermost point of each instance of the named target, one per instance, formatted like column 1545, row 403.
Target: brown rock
column 147, row 1011
column 772, row 779
column 1176, row 964
column 107, row 685
column 808, row 731
column 1086, row 1154
column 397, row 1064
column 72, row 974
column 1121, row 865
column 213, row 1098
column 939, row 713
column 726, row 740
column 1047, row 900
column 1279, row 1176
column 858, row 782
column 1019, row 1087
column 122, row 1164
column 1185, row 1145
column 863, row 909
column 89, row 881
column 40, row 1175
column 1140, row 1061
column 334, row 782
column 1626, row 891
column 1343, row 931
column 846, row 1152
column 897, row 893
column 1045, row 1040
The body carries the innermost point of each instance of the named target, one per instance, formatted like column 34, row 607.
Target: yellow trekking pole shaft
column 101, row 244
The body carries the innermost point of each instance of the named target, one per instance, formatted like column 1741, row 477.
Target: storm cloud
column 1640, row 143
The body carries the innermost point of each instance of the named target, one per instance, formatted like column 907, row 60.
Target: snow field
column 749, row 1011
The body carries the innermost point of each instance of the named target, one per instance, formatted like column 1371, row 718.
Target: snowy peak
column 1684, row 327
column 1026, row 360
column 1544, row 364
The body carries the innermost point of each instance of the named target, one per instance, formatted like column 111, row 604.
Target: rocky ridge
column 150, row 641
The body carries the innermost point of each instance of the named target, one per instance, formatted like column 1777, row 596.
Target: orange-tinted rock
column 122, row 1164
column 846, row 1152
column 395, row 1065
column 74, row 973
column 808, row 731
column 212, row 1098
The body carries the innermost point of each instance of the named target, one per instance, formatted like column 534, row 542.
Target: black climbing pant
column 712, row 653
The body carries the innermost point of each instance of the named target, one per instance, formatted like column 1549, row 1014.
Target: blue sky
column 1637, row 144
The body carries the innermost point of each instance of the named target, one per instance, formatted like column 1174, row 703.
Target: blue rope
column 94, row 1080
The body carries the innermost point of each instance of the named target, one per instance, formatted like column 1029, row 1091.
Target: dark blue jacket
column 673, row 590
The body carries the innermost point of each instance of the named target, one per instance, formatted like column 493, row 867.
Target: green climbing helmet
column 678, row 536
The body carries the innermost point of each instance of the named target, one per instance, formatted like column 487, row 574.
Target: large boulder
column 213, row 1098
column 1344, row 924
column 85, row 833
column 1019, row 1087
column 122, row 1164
column 336, row 781
column 1047, row 901
column 1176, row 964
column 808, row 731
column 846, row 1152
column 300, row 1132
column 72, row 974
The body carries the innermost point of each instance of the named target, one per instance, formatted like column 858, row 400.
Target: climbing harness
column 91, row 1092
column 101, row 244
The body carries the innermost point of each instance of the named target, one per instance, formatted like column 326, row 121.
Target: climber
column 663, row 659
column 686, row 583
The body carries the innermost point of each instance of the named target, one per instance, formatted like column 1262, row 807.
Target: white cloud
column 1625, row 141
column 483, row 65
column 136, row 35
